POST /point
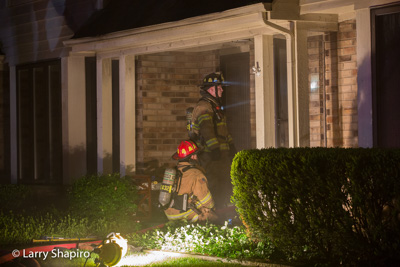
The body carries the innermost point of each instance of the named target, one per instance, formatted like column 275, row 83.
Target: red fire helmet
column 185, row 150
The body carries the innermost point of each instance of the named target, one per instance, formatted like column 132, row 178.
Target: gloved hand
column 215, row 154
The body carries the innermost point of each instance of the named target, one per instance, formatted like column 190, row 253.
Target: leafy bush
column 22, row 228
column 99, row 205
column 322, row 204
column 12, row 196
column 221, row 241
column 103, row 196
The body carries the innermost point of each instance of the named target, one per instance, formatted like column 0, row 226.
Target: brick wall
column 323, row 90
column 333, row 67
column 316, row 96
column 333, row 135
column 167, row 84
column 347, row 66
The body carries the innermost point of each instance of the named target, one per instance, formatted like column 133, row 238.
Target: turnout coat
column 194, row 183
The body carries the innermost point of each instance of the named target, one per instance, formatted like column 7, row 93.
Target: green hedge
column 103, row 196
column 13, row 196
column 328, row 205
column 99, row 204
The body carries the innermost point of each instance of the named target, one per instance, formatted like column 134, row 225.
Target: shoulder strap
column 216, row 114
column 212, row 103
column 186, row 168
column 178, row 180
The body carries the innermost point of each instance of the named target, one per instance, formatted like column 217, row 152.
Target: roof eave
column 228, row 14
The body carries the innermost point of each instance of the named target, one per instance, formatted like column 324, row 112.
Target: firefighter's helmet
column 212, row 79
column 185, row 150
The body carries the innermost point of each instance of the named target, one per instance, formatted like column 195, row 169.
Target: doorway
column 236, row 98
column 385, row 76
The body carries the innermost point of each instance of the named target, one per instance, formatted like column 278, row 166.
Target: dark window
column 115, row 117
column 39, row 123
column 91, row 115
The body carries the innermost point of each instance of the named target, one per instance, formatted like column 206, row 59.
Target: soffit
column 219, row 29
column 210, row 29
column 326, row 6
column 339, row 6
column 121, row 15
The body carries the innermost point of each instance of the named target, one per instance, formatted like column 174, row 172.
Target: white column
column 265, row 92
column 127, row 114
column 104, row 116
column 73, row 118
column 13, row 126
column 301, row 91
column 364, row 78
column 291, row 88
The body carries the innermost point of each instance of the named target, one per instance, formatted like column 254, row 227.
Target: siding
column 34, row 30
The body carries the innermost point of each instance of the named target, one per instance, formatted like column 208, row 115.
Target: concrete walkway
column 155, row 256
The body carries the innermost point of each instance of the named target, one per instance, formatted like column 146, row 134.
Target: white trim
column 339, row 6
column 361, row 4
column 265, row 91
column 73, row 118
column 364, row 78
column 203, row 33
column 194, row 22
column 127, row 111
column 326, row 6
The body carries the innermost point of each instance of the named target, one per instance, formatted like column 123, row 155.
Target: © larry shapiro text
column 55, row 253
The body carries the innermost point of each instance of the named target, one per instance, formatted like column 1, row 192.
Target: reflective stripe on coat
column 194, row 183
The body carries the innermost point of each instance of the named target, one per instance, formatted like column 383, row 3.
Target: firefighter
column 193, row 200
column 208, row 125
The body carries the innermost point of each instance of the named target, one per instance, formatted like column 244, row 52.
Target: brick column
column 347, row 65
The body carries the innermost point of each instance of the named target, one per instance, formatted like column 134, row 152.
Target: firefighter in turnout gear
column 209, row 128
column 192, row 199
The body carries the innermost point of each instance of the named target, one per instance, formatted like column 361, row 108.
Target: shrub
column 22, row 228
column 12, row 196
column 103, row 196
column 322, row 204
column 99, row 205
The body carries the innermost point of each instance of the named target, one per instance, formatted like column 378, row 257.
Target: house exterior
column 92, row 87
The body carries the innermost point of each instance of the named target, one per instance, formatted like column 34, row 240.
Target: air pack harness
column 181, row 202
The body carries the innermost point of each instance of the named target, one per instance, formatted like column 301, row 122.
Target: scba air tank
column 166, row 186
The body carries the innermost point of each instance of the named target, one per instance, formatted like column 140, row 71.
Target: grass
column 139, row 260
column 20, row 227
column 192, row 262
column 135, row 259
column 227, row 241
